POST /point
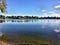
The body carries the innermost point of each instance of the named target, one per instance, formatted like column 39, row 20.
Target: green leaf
column 3, row 6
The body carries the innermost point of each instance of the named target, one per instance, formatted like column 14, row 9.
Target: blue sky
column 33, row 7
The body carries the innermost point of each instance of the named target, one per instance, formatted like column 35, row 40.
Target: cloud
column 50, row 14
column 58, row 6
column 43, row 10
column 55, row 14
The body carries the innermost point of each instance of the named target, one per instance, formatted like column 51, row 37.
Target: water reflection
column 53, row 21
column 57, row 30
column 17, row 20
column 34, row 29
column 1, row 21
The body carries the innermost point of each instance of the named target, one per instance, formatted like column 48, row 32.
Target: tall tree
column 3, row 5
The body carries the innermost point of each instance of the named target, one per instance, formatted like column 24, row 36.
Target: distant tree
column 3, row 5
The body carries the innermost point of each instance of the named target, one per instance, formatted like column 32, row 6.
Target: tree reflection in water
column 17, row 20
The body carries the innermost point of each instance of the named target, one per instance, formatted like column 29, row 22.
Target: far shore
column 29, row 17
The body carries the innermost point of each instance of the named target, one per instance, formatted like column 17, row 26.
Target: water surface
column 36, row 31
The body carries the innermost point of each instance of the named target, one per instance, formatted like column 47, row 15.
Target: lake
column 32, row 31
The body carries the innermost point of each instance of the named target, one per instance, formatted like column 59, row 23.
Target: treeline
column 49, row 17
column 19, row 17
column 2, row 17
column 27, row 17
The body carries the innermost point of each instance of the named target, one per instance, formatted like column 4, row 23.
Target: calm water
column 27, row 30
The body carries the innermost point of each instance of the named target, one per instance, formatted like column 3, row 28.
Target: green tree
column 3, row 6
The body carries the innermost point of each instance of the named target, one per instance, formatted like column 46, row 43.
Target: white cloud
column 45, row 15
column 55, row 14
column 51, row 14
column 58, row 6
column 8, row 15
column 5, row 14
column 43, row 10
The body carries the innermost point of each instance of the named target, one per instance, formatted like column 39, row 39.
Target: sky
column 33, row 7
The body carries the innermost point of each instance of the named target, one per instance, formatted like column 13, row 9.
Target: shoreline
column 4, row 43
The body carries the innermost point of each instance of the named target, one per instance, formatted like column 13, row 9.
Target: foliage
column 3, row 5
